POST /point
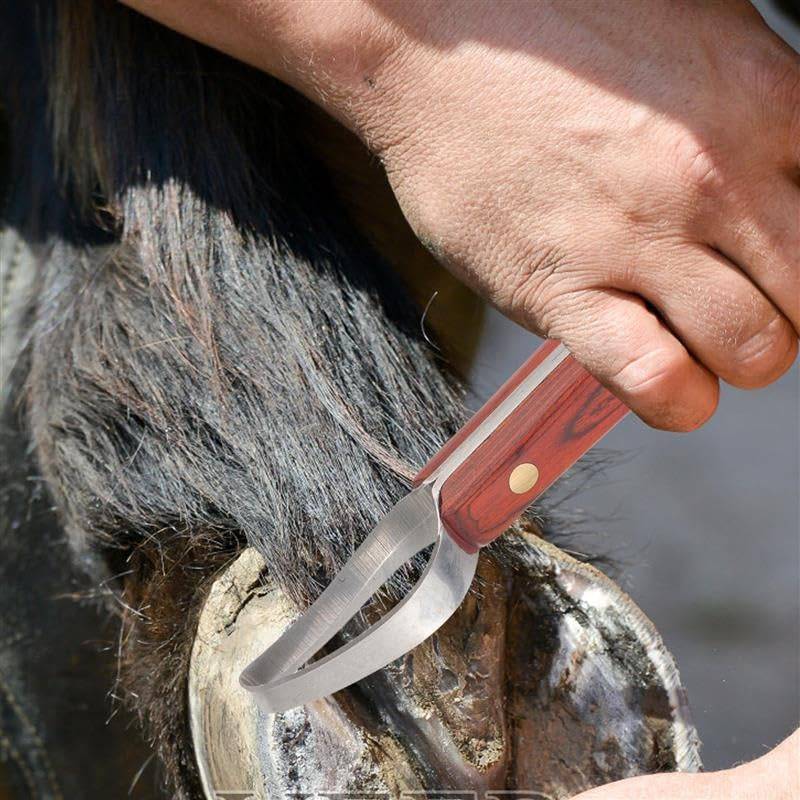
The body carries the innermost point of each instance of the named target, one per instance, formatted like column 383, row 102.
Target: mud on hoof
column 548, row 680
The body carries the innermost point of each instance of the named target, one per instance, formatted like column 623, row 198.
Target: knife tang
column 531, row 431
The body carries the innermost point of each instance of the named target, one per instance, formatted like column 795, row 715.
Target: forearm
column 329, row 51
column 578, row 164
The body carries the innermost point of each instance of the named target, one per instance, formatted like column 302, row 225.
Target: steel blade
column 432, row 601
column 411, row 525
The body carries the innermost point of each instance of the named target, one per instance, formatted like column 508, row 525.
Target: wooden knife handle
column 531, row 442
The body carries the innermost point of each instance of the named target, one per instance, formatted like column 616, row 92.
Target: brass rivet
column 523, row 478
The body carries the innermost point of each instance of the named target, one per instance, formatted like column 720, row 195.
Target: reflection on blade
column 411, row 525
column 434, row 598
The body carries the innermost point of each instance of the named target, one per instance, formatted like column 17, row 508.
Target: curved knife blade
column 548, row 413
column 410, row 526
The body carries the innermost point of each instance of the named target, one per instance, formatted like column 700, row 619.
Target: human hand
column 775, row 776
column 576, row 162
column 620, row 176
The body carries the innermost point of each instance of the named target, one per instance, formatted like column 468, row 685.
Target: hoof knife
column 542, row 420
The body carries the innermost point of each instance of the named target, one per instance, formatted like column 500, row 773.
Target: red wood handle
column 541, row 437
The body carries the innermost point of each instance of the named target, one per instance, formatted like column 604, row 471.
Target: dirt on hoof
column 547, row 681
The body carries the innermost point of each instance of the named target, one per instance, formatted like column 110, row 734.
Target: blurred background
column 705, row 532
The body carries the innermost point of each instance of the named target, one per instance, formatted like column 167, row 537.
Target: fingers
column 719, row 313
column 625, row 345
column 766, row 243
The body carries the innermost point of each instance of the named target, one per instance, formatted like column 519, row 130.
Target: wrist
column 334, row 53
column 328, row 50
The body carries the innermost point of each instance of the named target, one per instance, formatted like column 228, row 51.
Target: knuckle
column 777, row 78
column 773, row 244
column 698, row 166
column 764, row 355
column 770, row 73
column 651, row 374
column 655, row 384
column 537, row 281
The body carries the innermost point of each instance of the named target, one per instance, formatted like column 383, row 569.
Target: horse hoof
column 547, row 681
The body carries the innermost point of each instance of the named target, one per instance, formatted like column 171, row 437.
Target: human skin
column 775, row 776
column 624, row 177
column 620, row 176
